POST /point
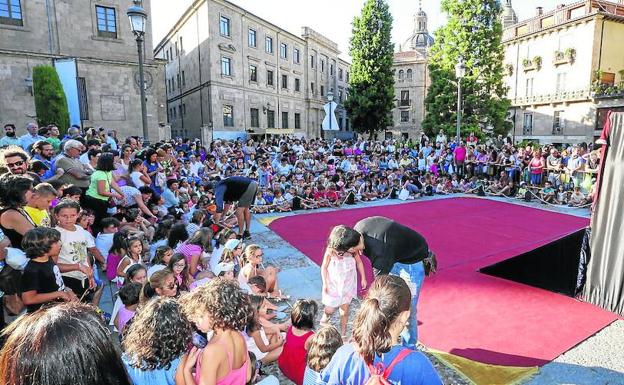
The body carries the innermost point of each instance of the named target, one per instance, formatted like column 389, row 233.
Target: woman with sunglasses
column 161, row 284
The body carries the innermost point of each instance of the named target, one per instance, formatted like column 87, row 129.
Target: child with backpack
column 375, row 356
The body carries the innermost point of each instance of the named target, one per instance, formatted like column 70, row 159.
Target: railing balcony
column 556, row 97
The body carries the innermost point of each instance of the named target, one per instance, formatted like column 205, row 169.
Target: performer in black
column 392, row 249
column 236, row 189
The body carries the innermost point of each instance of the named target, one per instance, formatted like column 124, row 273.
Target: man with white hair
column 75, row 172
column 31, row 137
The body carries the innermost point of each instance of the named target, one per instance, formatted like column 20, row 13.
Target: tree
column 474, row 33
column 50, row 101
column 371, row 82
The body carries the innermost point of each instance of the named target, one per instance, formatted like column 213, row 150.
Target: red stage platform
column 460, row 310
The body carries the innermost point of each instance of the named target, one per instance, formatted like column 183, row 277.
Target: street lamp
column 460, row 72
column 138, row 21
column 330, row 99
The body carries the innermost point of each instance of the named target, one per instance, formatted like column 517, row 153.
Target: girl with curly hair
column 154, row 343
column 220, row 307
column 323, row 345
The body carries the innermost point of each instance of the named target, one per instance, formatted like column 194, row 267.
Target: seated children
column 548, row 193
column 577, row 199
column 129, row 295
column 292, row 361
column 321, row 349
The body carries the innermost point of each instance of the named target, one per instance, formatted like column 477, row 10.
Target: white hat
column 232, row 244
column 223, row 267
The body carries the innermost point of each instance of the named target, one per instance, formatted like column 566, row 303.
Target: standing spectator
column 236, row 189
column 42, row 282
column 536, row 168
column 44, row 152
column 441, row 138
column 100, row 189
column 53, row 138
column 9, row 138
column 27, row 140
column 459, row 155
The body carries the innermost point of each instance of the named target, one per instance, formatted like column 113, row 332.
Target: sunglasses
column 19, row 163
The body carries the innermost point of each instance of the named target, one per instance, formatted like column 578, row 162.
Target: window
column 312, row 88
column 558, row 123
column 269, row 78
column 528, row 91
column 340, row 96
column 254, row 114
column 106, row 21
column 177, row 49
column 181, row 46
column 297, row 85
column 174, row 113
column 297, row 120
column 296, row 55
column 224, row 26
column 253, row 73
column 404, row 116
column 561, row 82
column 339, row 73
column 340, row 123
column 226, row 66
column 322, row 90
column 11, row 12
column 283, row 51
column 284, row 81
column 284, row 119
column 228, row 116
column 312, row 61
column 179, row 80
column 83, row 100
column 409, row 75
column 405, row 100
column 401, row 75
column 347, row 77
column 183, row 79
column 322, row 65
column 527, row 124
column 270, row 119
column 268, row 44
column 184, row 109
column 331, row 69
column 251, row 38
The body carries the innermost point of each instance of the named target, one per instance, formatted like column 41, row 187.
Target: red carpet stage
column 462, row 311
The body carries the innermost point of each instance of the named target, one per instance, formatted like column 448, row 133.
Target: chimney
column 539, row 11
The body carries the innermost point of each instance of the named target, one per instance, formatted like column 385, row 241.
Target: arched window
column 409, row 74
column 401, row 75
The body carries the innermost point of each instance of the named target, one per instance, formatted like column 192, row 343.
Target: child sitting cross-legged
column 41, row 281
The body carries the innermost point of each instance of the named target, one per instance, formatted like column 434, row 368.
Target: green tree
column 50, row 101
column 474, row 33
column 371, row 82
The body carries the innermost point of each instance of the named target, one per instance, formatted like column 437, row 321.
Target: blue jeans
column 413, row 275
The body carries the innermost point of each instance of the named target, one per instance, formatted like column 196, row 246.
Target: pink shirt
column 123, row 317
column 460, row 153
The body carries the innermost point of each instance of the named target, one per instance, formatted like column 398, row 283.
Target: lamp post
column 138, row 21
column 460, row 71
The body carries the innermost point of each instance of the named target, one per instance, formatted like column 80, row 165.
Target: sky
column 331, row 18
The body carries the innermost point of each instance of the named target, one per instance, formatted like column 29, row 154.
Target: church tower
column 508, row 16
column 420, row 38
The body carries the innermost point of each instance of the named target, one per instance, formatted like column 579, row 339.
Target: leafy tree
column 371, row 83
column 50, row 101
column 474, row 33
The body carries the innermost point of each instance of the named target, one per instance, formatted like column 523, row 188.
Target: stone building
column 231, row 74
column 95, row 54
column 411, row 81
column 565, row 70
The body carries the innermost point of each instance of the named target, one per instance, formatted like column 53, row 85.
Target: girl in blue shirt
column 376, row 330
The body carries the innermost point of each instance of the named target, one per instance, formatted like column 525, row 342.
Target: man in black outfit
column 236, row 189
column 392, row 249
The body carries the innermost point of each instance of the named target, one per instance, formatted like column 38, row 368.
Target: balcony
column 556, row 97
column 607, row 91
column 534, row 64
column 564, row 57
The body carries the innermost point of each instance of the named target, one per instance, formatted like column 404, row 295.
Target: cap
column 223, row 267
column 232, row 244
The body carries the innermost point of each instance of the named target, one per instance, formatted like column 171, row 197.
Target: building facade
column 411, row 81
column 565, row 70
column 231, row 74
column 95, row 54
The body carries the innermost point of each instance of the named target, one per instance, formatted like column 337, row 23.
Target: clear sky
column 332, row 18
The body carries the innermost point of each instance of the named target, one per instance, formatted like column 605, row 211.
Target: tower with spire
column 419, row 39
column 508, row 16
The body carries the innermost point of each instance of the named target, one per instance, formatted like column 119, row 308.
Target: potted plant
column 509, row 67
column 537, row 61
column 570, row 53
